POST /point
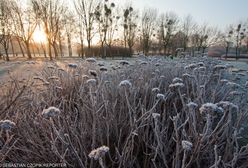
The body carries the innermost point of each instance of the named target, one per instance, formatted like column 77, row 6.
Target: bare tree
column 25, row 23
column 188, row 27
column 148, row 21
column 107, row 24
column 85, row 9
column 50, row 12
column 129, row 25
column 167, row 28
column 6, row 26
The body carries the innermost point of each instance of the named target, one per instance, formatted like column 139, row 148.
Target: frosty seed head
column 125, row 83
column 71, row 65
column 227, row 105
column 155, row 90
column 91, row 81
column 155, row 115
column 160, row 96
column 6, row 125
column 91, row 60
column 50, row 112
column 99, row 152
column 187, row 145
column 192, row 105
column 210, row 108
column 93, row 73
column 219, row 67
column 176, row 86
column 177, row 80
column 103, row 69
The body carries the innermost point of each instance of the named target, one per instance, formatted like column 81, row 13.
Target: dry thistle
column 6, row 124
column 50, row 112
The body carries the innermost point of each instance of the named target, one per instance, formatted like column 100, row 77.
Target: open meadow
column 140, row 112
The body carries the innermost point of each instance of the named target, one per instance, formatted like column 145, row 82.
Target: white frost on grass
column 91, row 81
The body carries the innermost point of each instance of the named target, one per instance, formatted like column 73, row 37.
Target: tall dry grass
column 144, row 113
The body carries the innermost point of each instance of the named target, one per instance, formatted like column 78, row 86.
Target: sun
column 39, row 36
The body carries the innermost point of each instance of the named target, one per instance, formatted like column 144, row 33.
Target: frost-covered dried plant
column 50, row 112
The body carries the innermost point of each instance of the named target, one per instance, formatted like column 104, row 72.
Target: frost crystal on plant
column 99, row 152
column 6, row 124
column 125, row 83
column 187, row 145
column 50, row 112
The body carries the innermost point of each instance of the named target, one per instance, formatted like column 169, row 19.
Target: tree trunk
column 50, row 50
column 60, row 46
column 28, row 49
column 12, row 48
column 20, row 45
column 69, row 45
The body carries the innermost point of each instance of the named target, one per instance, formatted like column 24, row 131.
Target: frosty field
column 139, row 112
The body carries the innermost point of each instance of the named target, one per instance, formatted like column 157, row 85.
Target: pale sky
column 214, row 12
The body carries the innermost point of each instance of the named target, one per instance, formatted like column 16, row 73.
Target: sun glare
column 39, row 36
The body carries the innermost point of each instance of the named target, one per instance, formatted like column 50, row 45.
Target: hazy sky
column 215, row 12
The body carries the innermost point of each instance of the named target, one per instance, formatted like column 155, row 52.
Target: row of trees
column 83, row 21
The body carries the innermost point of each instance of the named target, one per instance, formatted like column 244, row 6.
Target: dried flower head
column 50, row 112
column 91, row 81
column 187, row 145
column 103, row 69
column 192, row 105
column 177, row 80
column 210, row 108
column 124, row 62
column 6, row 124
column 176, row 86
column 190, row 66
column 155, row 115
column 160, row 96
column 71, row 65
column 227, row 105
column 93, row 73
column 125, row 83
column 219, row 67
column 91, row 60
column 156, row 90
column 99, row 152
